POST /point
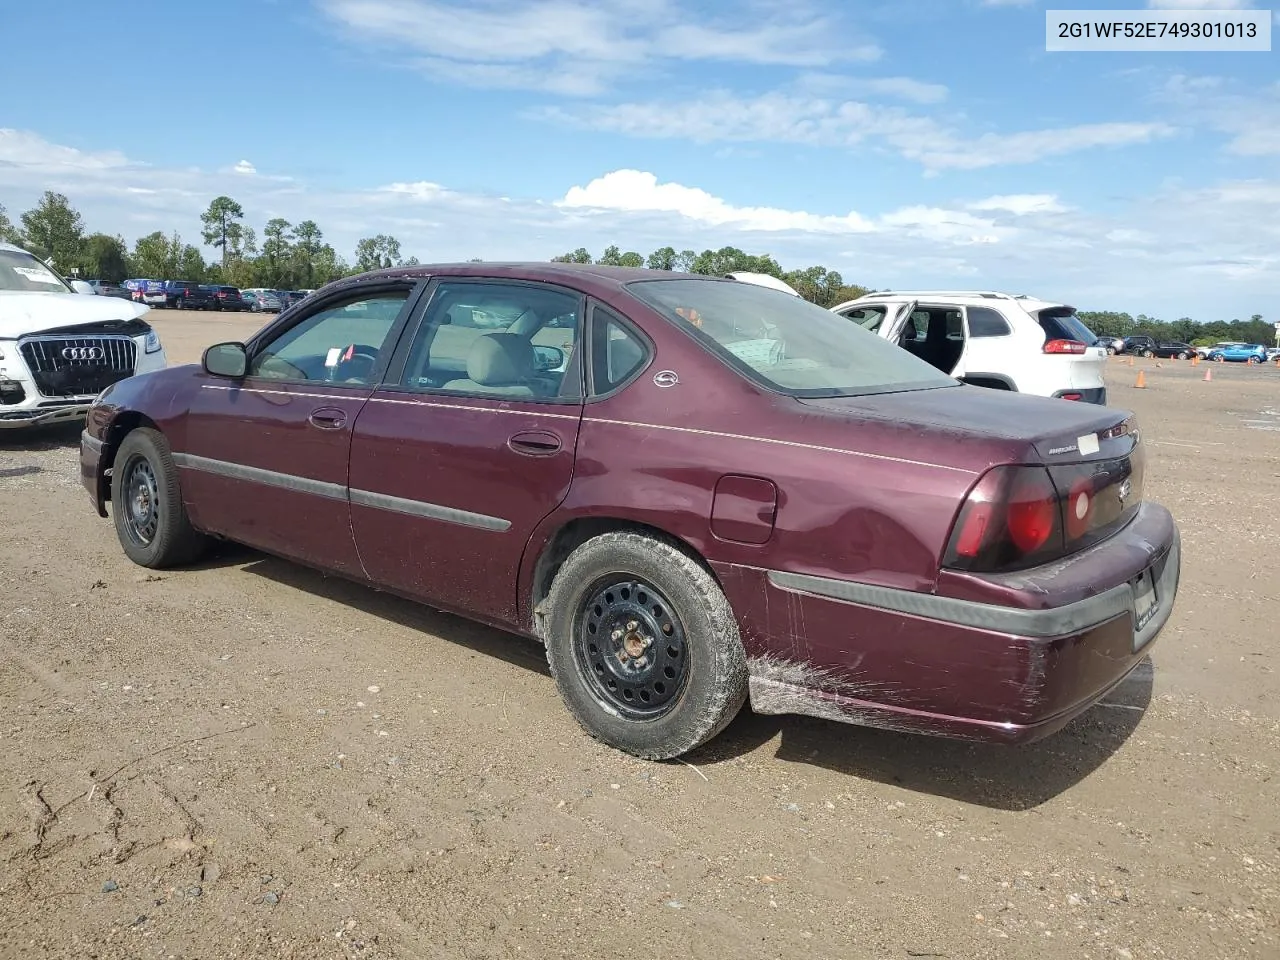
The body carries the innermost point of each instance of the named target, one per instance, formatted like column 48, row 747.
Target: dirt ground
column 251, row 760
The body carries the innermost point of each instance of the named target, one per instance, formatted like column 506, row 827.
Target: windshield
column 786, row 343
column 21, row 272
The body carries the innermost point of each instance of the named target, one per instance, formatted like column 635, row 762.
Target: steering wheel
column 356, row 362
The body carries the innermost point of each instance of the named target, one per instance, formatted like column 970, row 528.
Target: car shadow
column 55, row 436
column 508, row 647
column 989, row 775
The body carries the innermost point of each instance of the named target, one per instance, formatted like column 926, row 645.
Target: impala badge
column 665, row 378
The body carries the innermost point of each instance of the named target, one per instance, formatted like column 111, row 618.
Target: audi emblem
column 82, row 353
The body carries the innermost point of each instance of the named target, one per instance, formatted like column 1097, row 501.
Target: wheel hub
column 630, row 647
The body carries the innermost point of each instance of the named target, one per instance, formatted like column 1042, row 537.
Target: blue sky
column 916, row 143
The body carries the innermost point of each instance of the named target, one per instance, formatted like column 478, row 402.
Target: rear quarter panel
column 855, row 499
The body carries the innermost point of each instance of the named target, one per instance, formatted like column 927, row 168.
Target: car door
column 990, row 348
column 469, row 443
column 265, row 456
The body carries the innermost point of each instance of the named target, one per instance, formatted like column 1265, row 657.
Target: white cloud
column 1209, row 252
column 789, row 118
column 1021, row 204
column 634, row 191
column 1250, row 118
column 581, row 47
column 245, row 167
column 904, row 88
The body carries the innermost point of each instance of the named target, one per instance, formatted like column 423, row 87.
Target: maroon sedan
column 694, row 491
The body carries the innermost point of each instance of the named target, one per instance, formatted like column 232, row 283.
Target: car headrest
column 460, row 316
column 501, row 359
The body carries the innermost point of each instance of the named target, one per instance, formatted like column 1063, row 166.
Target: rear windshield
column 1061, row 325
column 21, row 272
column 785, row 343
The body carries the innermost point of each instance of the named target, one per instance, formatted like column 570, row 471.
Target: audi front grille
column 78, row 366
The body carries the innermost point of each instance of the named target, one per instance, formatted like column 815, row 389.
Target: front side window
column 509, row 340
column 786, row 343
column 338, row 344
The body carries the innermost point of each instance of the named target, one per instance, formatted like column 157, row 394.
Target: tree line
column 290, row 256
column 295, row 256
column 816, row 284
column 1183, row 330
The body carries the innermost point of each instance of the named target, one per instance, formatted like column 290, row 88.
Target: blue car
column 1239, row 353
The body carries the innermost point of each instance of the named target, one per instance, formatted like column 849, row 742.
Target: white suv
column 991, row 339
column 60, row 345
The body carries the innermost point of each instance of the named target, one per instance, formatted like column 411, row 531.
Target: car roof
column 966, row 297
column 591, row 275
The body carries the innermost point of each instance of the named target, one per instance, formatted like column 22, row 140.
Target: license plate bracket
column 1146, row 601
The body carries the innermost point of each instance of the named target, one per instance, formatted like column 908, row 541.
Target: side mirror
column 548, row 358
column 226, row 360
column 80, row 286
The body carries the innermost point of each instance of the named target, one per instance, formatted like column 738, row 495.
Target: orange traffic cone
column 1208, row 374
column 1142, row 380
column 1195, row 359
column 1131, row 359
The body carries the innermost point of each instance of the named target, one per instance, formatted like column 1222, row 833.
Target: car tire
column 146, row 503
column 1183, row 355
column 1254, row 360
column 1148, row 354
column 644, row 646
column 1111, row 351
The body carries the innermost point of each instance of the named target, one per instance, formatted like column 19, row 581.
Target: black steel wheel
column 142, row 500
column 643, row 645
column 630, row 647
column 146, row 503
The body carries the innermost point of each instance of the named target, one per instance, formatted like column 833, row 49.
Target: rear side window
column 985, row 322
column 1066, row 326
column 616, row 352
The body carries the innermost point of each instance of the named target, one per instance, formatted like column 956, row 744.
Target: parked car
column 1138, row 344
column 764, row 280
column 1112, row 345
column 991, row 339
column 260, row 301
column 229, row 298
column 60, row 344
column 103, row 287
column 1273, row 353
column 289, row 297
column 701, row 492
column 186, row 295
column 1239, row 353
column 149, row 292
column 1170, row 349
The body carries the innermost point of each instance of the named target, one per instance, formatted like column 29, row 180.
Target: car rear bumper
column 966, row 668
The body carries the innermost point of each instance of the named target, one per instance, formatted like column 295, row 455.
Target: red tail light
column 1033, row 510
column 1023, row 516
column 1012, row 518
column 1064, row 346
column 1072, row 396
